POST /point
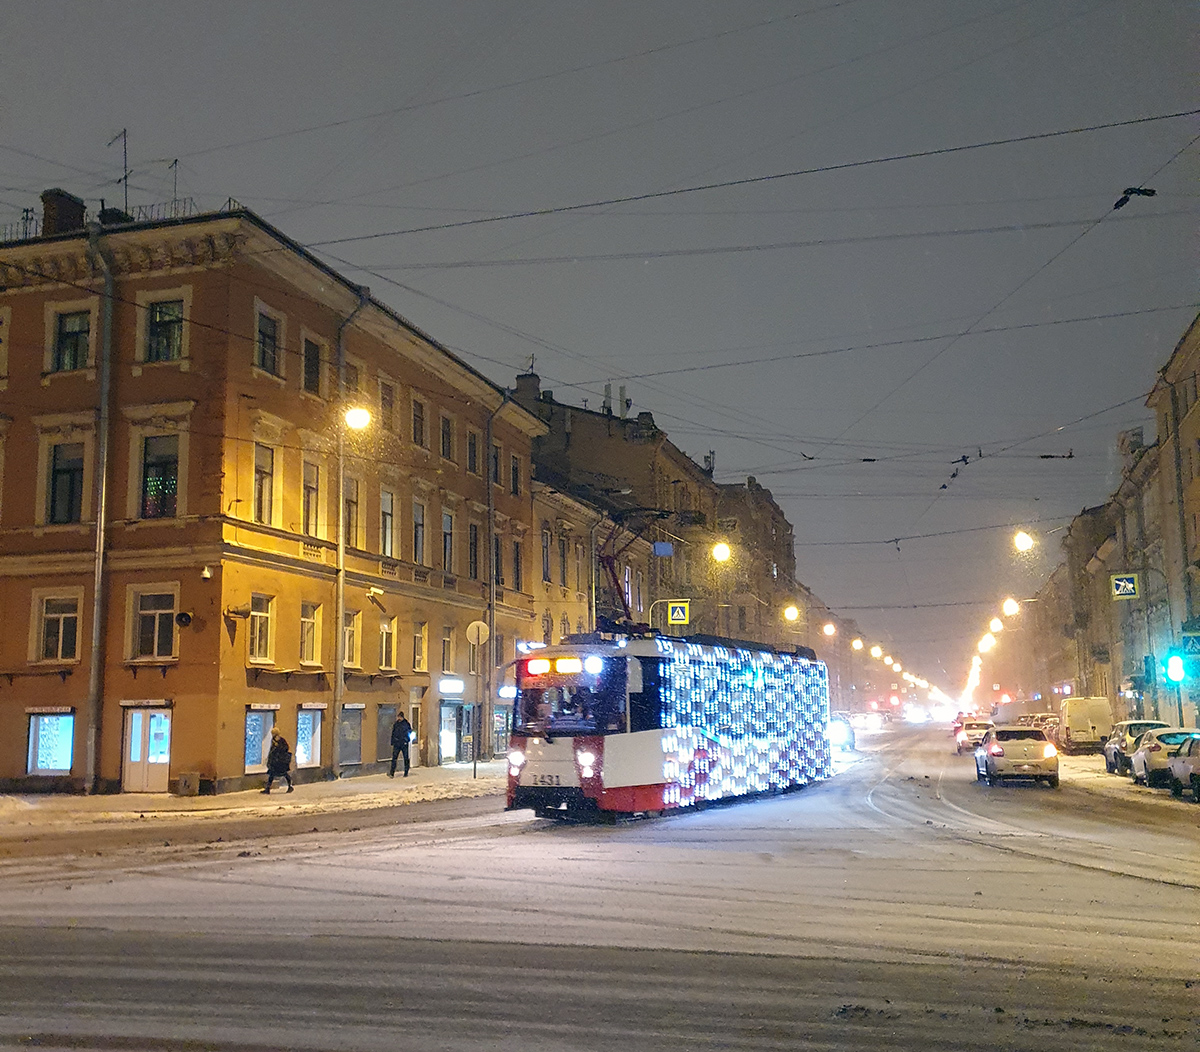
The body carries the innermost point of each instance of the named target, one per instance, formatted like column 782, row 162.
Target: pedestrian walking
column 279, row 760
column 401, row 736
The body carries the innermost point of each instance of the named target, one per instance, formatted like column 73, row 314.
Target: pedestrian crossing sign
column 677, row 612
column 1125, row 586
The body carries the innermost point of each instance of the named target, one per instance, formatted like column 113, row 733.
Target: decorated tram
column 645, row 723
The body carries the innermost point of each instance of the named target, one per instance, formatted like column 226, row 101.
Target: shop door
column 448, row 734
column 147, row 763
column 466, row 733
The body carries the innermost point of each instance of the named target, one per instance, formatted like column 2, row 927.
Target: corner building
column 174, row 466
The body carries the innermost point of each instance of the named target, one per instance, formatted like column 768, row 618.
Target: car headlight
column 1049, row 752
column 839, row 733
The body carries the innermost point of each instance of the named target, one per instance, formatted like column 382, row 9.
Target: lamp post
column 721, row 554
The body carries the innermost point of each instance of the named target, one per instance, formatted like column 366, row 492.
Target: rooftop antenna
column 532, row 359
column 174, row 166
column 123, row 135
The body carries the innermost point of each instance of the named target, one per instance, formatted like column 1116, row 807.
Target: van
column 1084, row 724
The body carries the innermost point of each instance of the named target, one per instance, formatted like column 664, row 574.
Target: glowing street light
column 897, row 667
column 721, row 552
column 1010, row 607
column 987, row 643
column 877, row 652
column 996, row 625
column 887, row 659
column 830, row 629
column 1022, row 541
column 358, row 418
column 791, row 613
column 856, row 644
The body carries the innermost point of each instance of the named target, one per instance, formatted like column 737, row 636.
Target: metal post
column 493, row 567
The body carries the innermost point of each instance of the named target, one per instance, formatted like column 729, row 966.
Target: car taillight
column 1049, row 752
column 1154, row 748
column 996, row 749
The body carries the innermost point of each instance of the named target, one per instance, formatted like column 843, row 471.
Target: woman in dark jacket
column 279, row 760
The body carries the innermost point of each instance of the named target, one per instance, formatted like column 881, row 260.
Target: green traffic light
column 1175, row 671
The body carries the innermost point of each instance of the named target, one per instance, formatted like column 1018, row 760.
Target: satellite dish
column 477, row 633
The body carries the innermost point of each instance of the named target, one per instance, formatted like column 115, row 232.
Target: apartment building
column 196, row 546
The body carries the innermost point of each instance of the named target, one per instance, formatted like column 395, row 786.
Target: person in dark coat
column 279, row 760
column 401, row 736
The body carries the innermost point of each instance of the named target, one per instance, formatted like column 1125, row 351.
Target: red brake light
column 537, row 667
column 996, row 749
column 1154, row 748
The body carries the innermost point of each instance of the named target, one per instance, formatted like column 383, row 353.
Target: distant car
column 866, row 721
column 1120, row 743
column 971, row 735
column 1148, row 763
column 841, row 733
column 1184, row 768
column 1016, row 752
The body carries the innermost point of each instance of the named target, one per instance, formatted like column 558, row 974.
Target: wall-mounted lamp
column 206, row 573
column 238, row 611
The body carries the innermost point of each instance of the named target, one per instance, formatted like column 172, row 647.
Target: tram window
column 572, row 708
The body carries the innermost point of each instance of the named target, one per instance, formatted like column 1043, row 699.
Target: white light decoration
column 451, row 686
column 508, row 692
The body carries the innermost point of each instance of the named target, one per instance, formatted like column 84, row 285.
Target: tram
column 645, row 723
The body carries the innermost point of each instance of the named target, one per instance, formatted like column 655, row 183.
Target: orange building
column 175, row 466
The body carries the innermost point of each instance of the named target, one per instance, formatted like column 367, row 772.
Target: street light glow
column 357, row 418
column 897, row 667
column 1010, row 607
column 996, row 625
column 877, row 652
column 856, row 644
column 721, row 552
column 1022, row 541
column 986, row 643
column 830, row 628
column 791, row 613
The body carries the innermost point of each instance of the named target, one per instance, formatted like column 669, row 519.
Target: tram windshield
column 552, row 704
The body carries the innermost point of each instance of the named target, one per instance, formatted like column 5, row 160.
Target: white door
column 147, row 757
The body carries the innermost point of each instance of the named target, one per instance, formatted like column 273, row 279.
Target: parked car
column 841, row 733
column 1084, row 724
column 1148, row 762
column 1016, row 752
column 971, row 734
column 1184, row 767
column 1121, row 740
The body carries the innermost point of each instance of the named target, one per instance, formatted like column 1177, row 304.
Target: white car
column 1148, row 764
column 1184, row 767
column 970, row 734
column 1016, row 752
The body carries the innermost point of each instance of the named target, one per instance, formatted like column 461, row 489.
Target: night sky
column 846, row 332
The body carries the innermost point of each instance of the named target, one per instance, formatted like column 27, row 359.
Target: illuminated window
column 51, row 743
column 308, row 738
column 160, row 476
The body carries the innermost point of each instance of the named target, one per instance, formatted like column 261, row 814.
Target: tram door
column 147, row 756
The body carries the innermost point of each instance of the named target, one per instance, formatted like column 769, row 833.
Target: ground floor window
column 51, row 743
column 501, row 725
column 308, row 738
column 350, row 740
column 258, row 739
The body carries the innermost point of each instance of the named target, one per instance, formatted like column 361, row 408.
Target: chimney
column 62, row 213
column 607, row 406
column 528, row 391
column 625, row 403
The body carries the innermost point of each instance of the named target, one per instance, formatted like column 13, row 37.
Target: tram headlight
column 587, row 762
column 593, row 664
column 538, row 667
column 516, row 760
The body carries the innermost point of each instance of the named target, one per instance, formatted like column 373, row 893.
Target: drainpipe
column 100, row 258
column 339, row 661
column 592, row 568
column 485, row 708
column 1183, row 542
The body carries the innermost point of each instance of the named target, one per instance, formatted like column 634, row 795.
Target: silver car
column 1184, row 767
column 1121, row 741
column 1016, row 752
column 1148, row 764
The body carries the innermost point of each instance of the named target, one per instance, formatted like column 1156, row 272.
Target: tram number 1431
column 546, row 779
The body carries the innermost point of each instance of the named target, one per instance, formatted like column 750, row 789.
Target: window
column 579, row 584
column 418, row 422
column 267, row 345
column 350, row 375
column 495, row 465
column 59, row 630
column 260, row 628
column 473, row 551
column 448, row 649
column 447, row 542
column 350, row 493
column 66, row 483
column 154, row 625
column 160, row 476
column 639, row 581
column 418, row 533
column 51, row 743
column 310, row 633
column 312, row 367
column 516, row 565
column 562, row 561
column 387, row 522
column 311, row 498
column 497, row 561
column 514, row 476
column 164, row 331
column 387, row 405
column 473, row 452
column 264, row 482
column 546, row 555
column 447, row 426
column 499, row 649
column 72, row 335
column 308, row 738
column 258, row 739
column 741, row 619
column 387, row 642
column 627, row 586
column 420, row 646
column 351, row 637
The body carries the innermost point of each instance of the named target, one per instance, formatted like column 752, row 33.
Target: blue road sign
column 1125, row 586
column 677, row 613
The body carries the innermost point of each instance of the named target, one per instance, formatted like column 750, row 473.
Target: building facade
column 202, row 548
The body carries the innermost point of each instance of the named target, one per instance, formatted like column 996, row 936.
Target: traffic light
column 1148, row 671
column 1175, row 670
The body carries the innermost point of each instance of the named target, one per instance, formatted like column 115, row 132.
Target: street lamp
column 877, row 652
column 986, row 643
column 791, row 613
column 830, row 629
column 721, row 552
column 996, row 625
column 1022, row 541
column 1010, row 607
column 856, row 644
